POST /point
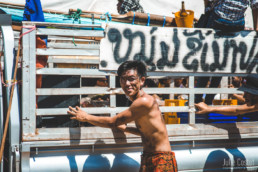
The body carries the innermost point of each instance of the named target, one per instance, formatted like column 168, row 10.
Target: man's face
column 178, row 82
column 250, row 99
column 131, row 83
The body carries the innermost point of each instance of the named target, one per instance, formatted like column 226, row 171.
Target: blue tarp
column 33, row 11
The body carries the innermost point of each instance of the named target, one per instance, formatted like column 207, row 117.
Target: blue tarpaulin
column 33, row 11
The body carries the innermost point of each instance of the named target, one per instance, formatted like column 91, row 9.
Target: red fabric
column 158, row 162
column 41, row 62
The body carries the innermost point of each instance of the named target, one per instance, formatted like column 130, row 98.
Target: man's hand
column 78, row 114
column 202, row 107
column 121, row 127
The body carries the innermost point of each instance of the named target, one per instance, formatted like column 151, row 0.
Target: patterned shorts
column 158, row 162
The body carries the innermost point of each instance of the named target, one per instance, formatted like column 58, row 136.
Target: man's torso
column 153, row 129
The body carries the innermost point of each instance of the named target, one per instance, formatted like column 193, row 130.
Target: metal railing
column 67, row 42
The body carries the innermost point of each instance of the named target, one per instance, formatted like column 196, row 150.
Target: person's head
column 86, row 102
column 102, row 82
column 150, row 83
column 236, row 81
column 178, row 82
column 120, row 2
column 124, row 6
column 132, row 76
column 165, row 82
column 250, row 89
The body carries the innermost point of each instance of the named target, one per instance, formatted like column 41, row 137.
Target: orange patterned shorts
column 158, row 162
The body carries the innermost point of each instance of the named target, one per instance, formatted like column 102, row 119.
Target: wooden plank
column 71, row 45
column 70, row 71
column 83, row 66
column 74, row 60
column 63, row 24
column 70, row 32
column 69, row 52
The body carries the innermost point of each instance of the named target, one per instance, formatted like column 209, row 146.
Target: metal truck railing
column 86, row 53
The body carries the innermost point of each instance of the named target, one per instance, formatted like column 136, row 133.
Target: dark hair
column 139, row 66
column 130, row 5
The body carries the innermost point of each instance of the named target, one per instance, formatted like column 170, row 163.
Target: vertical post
column 224, row 84
column 172, row 85
column 12, row 95
column 191, row 119
column 29, row 82
column 1, row 121
column 112, row 84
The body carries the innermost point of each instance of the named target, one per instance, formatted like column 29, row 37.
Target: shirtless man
column 145, row 112
column 250, row 96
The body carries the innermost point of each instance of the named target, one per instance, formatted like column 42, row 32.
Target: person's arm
column 129, row 129
column 139, row 107
column 225, row 110
column 101, row 121
column 255, row 18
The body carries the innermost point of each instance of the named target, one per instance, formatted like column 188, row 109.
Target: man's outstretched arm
column 101, row 121
column 138, row 108
column 225, row 110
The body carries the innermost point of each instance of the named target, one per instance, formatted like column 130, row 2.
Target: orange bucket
column 185, row 21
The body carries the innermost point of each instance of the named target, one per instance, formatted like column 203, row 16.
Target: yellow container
column 171, row 117
column 225, row 102
column 184, row 21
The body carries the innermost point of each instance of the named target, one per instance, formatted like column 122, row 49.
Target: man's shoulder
column 144, row 101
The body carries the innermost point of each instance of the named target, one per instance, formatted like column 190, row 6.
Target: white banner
column 180, row 49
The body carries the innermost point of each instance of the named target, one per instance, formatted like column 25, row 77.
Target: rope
column 27, row 27
column 108, row 15
column 133, row 17
column 164, row 22
column 148, row 23
column 77, row 15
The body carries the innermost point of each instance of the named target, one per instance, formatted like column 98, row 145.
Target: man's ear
column 142, row 80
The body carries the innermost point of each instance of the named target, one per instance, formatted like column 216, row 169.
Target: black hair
column 139, row 66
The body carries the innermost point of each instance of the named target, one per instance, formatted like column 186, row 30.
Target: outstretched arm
column 139, row 107
column 226, row 110
column 101, row 121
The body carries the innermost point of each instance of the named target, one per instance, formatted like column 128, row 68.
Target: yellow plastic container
column 171, row 117
column 185, row 21
column 225, row 102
